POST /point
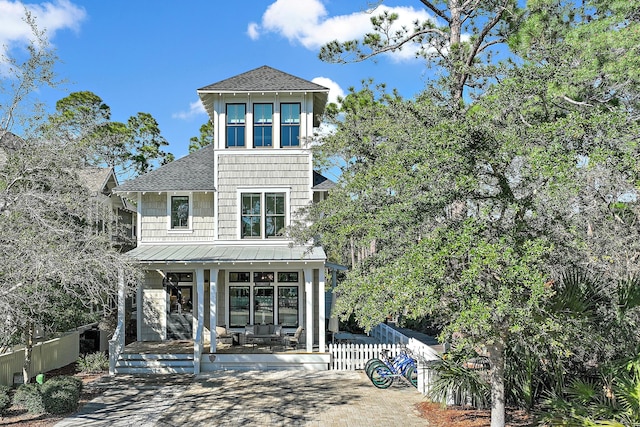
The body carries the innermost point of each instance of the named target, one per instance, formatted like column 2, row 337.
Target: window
column 256, row 297
column 251, row 226
column 235, row 125
column 286, row 276
column 254, row 216
column 290, row 125
column 288, row 306
column 263, row 304
column 262, row 125
column 179, row 212
column 239, row 305
column 239, row 277
column 274, row 214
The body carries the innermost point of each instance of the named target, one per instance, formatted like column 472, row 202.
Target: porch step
column 134, row 363
column 263, row 362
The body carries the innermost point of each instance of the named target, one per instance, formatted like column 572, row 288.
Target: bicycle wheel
column 411, row 374
column 381, row 377
column 376, row 363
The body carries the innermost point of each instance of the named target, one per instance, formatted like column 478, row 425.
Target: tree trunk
column 28, row 350
column 497, row 361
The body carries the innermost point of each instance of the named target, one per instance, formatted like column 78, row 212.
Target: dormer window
column 290, row 124
column 236, row 125
column 262, row 125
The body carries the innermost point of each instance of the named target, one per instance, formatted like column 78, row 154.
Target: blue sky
column 151, row 56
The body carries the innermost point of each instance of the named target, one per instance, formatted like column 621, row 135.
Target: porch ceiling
column 214, row 253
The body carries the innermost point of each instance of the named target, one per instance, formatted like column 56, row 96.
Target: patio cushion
column 262, row 330
column 249, row 330
column 277, row 330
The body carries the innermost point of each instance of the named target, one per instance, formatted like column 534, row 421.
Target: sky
column 151, row 56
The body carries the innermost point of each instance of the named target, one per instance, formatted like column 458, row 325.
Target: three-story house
column 211, row 225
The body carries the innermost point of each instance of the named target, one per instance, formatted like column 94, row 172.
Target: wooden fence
column 46, row 355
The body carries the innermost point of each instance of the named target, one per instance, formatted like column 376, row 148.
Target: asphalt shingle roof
column 321, row 182
column 264, row 79
column 193, row 172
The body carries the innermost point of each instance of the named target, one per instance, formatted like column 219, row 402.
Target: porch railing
column 198, row 348
column 116, row 344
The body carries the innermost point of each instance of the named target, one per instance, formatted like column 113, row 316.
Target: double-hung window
column 236, row 125
column 263, row 215
column 262, row 125
column 179, row 216
column 290, row 124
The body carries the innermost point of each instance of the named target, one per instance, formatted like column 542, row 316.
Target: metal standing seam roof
column 214, row 253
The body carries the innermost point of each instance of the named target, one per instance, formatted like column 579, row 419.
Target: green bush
column 29, row 397
column 93, row 363
column 61, row 394
column 5, row 399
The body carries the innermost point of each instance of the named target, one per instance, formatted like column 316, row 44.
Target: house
column 101, row 181
column 211, row 225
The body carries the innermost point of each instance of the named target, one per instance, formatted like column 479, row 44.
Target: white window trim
column 262, row 191
column 189, row 228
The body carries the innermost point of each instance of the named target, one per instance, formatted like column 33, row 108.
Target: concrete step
column 153, row 370
column 144, row 356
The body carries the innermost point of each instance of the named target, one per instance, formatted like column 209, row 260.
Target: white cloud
column 307, row 22
column 334, row 88
column 253, row 31
column 49, row 16
column 195, row 109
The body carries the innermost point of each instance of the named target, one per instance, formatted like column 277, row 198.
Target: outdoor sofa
column 261, row 334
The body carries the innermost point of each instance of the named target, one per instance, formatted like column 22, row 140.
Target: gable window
column 236, row 125
column 290, row 124
column 263, row 215
column 179, row 212
column 262, row 125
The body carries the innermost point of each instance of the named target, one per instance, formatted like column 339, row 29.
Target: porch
column 178, row 356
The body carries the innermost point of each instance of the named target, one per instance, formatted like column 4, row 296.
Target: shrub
column 29, row 397
column 61, row 394
column 5, row 399
column 93, row 363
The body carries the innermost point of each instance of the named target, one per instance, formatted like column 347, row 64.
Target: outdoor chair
column 293, row 341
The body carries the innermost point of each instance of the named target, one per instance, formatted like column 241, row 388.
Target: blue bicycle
column 384, row 370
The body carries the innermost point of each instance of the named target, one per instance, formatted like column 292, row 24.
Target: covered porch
column 201, row 301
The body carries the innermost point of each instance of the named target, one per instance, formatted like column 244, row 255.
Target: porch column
column 213, row 308
column 308, row 295
column 200, row 293
column 321, row 312
column 139, row 310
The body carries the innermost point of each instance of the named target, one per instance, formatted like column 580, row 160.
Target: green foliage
column 5, row 399
column 93, row 363
column 29, row 397
column 205, row 138
column 61, row 394
column 458, row 383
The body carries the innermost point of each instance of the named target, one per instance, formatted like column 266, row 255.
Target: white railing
column 116, row 344
column 386, row 334
column 45, row 356
column 198, row 348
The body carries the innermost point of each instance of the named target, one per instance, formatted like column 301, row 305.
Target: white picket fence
column 351, row 357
